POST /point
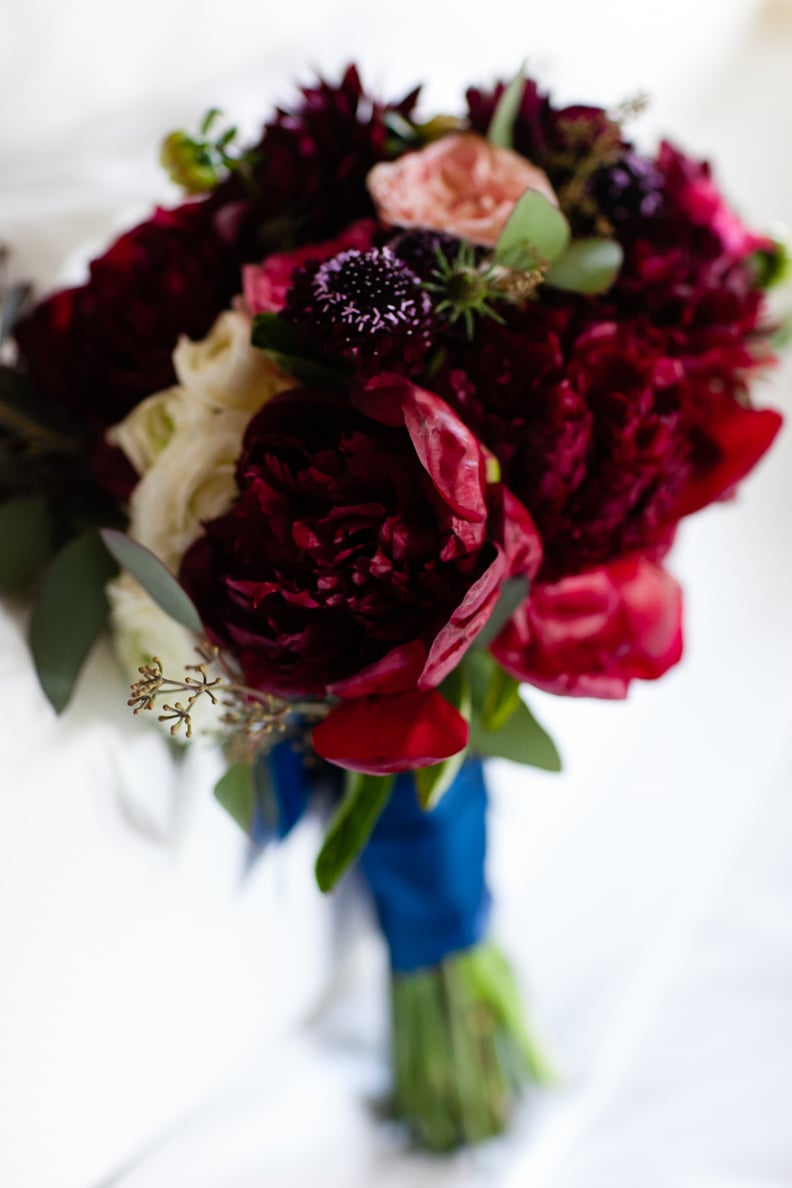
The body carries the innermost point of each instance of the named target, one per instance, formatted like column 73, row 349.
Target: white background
column 146, row 987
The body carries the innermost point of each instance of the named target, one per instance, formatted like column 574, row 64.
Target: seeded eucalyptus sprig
column 252, row 720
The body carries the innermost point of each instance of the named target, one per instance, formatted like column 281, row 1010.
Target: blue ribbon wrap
column 425, row 870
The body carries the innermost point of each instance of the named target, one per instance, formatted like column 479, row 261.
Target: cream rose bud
column 224, row 371
column 461, row 184
column 141, row 630
column 191, row 480
column 146, row 431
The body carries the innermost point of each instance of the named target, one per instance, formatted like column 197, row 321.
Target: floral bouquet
column 391, row 416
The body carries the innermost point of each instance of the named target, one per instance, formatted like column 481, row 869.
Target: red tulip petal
column 453, row 640
column 379, row 735
column 738, row 439
column 452, row 456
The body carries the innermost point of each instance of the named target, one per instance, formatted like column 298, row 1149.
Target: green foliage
column 501, row 701
column 773, row 266
column 462, row 1049
column 365, row 797
column 537, row 234
column 433, row 782
column 587, row 266
column 518, row 737
column 198, row 162
column 25, row 540
column 280, row 343
column 501, row 129
column 69, row 613
column 158, row 582
column 513, row 592
column 27, row 419
column 236, row 792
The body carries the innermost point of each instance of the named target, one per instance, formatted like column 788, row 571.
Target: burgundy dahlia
column 310, row 167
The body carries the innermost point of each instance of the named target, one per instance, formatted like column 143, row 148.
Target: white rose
column 141, row 631
column 146, row 431
column 190, row 480
column 224, row 370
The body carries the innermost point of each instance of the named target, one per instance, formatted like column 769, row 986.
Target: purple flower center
column 368, row 293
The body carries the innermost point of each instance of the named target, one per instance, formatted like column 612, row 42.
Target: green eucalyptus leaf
column 271, row 333
column 236, row 792
column 433, row 782
column 513, row 592
column 69, row 612
column 12, row 303
column 501, row 128
column 365, row 797
column 521, row 738
column 536, row 233
column 781, row 338
column 306, row 371
column 158, row 582
column 503, row 698
column 25, row 540
column 588, row 266
column 280, row 342
column 26, row 416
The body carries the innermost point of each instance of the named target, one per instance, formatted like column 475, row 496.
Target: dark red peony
column 591, row 634
column 364, row 554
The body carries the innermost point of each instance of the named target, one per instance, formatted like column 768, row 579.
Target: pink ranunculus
column 267, row 284
column 591, row 634
column 461, row 184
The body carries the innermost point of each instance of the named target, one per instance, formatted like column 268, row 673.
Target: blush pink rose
column 461, row 184
column 267, row 284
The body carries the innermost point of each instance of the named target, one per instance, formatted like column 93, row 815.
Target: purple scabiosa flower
column 365, row 306
column 630, row 189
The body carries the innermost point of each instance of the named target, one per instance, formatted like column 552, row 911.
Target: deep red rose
column 591, row 634
column 99, row 349
column 364, row 554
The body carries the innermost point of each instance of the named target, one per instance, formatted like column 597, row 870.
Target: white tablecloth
column 152, row 999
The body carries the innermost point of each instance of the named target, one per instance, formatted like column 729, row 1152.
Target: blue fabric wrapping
column 426, row 871
column 283, row 786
